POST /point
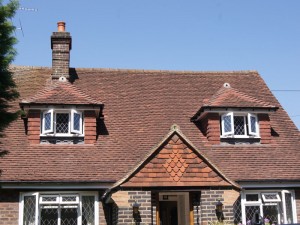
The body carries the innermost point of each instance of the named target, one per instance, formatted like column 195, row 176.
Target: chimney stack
column 61, row 44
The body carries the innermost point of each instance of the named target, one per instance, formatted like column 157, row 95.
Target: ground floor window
column 274, row 206
column 64, row 208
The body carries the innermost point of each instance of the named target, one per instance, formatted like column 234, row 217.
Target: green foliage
column 7, row 54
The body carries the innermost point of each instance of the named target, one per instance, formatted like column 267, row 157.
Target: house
column 110, row 146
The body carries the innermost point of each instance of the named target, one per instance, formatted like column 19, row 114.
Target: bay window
column 276, row 206
column 59, row 209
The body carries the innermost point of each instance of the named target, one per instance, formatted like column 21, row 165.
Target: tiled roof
column 230, row 97
column 61, row 92
column 140, row 107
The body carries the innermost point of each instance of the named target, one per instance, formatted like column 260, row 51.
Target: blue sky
column 174, row 35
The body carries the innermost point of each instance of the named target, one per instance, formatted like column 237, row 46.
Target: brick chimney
column 61, row 44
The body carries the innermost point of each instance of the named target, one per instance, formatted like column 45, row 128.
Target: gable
column 176, row 163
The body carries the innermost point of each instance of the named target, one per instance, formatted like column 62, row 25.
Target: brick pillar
column 209, row 199
column 90, row 132
column 34, row 126
column 61, row 44
column 9, row 207
column 264, row 128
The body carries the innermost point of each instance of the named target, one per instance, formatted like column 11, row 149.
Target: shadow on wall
column 111, row 212
column 101, row 127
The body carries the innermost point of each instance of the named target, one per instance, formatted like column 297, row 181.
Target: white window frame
column 49, row 202
column 73, row 111
column 261, row 203
column 253, row 202
column 247, row 125
column 71, row 132
column 270, row 200
column 231, row 132
column 51, row 123
column 39, row 205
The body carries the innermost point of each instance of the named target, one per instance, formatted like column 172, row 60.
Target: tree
column 8, row 92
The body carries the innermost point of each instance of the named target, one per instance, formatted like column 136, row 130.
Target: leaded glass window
column 59, row 209
column 29, row 209
column 62, row 123
column 239, row 125
column 274, row 207
column 47, row 125
column 288, row 207
column 88, row 210
column 250, row 211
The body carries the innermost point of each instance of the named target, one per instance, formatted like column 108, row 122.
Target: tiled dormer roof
column 60, row 93
column 227, row 96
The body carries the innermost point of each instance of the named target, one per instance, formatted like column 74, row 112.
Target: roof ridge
column 241, row 72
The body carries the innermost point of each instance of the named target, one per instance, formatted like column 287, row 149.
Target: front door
column 168, row 213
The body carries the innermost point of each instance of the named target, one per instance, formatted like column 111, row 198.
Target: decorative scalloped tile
column 175, row 165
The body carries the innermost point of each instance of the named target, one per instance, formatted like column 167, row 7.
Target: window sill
column 61, row 135
column 240, row 137
column 61, row 140
column 240, row 141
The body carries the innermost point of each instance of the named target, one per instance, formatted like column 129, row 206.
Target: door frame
column 190, row 205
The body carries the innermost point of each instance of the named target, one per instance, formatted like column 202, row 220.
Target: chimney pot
column 61, row 26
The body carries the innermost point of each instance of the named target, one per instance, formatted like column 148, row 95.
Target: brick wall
column 34, row 126
column 9, row 207
column 209, row 199
column 124, row 201
column 264, row 128
column 210, row 126
column 297, row 196
column 90, row 133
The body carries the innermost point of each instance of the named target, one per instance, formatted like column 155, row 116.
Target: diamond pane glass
column 49, row 216
column 69, row 216
column 289, row 207
column 250, row 211
column 49, row 198
column 253, row 124
column 62, row 123
column 227, row 124
column 29, row 210
column 239, row 125
column 271, row 196
column 271, row 213
column 76, row 122
column 237, row 211
column 88, row 210
column 47, row 124
column 70, row 198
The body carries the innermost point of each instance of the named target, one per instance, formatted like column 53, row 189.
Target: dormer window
column 62, row 122
column 239, row 125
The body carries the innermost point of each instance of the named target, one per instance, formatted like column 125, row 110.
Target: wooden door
column 168, row 213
